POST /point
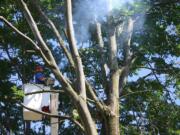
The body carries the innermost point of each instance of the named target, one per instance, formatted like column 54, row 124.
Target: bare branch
column 104, row 66
column 77, row 59
column 96, row 101
column 124, row 74
column 56, row 32
column 24, row 36
column 95, row 98
column 136, row 92
column 34, row 28
column 69, row 56
column 99, row 34
column 127, row 42
column 19, row 32
column 44, row 91
column 55, row 116
column 113, row 49
column 127, row 53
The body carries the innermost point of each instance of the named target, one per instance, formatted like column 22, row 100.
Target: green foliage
column 75, row 114
column 18, row 93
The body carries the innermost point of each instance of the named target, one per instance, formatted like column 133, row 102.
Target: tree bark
column 78, row 62
column 127, row 53
column 113, row 120
column 113, row 97
column 86, row 118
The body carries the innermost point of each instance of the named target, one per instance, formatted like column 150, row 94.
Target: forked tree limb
column 55, row 31
column 52, row 63
column 67, row 53
column 89, row 87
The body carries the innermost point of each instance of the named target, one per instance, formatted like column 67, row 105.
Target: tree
column 95, row 78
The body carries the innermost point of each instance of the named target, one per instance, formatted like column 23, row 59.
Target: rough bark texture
column 113, row 120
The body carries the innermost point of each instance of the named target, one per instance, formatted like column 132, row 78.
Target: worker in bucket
column 40, row 77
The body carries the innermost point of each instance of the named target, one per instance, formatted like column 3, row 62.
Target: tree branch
column 55, row 116
column 132, row 93
column 98, row 103
column 127, row 43
column 103, row 64
column 44, row 91
column 36, row 31
column 127, row 53
column 25, row 37
column 164, row 87
column 19, row 32
column 56, row 32
column 78, row 63
column 52, row 63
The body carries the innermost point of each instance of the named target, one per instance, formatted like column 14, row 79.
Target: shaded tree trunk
column 113, row 120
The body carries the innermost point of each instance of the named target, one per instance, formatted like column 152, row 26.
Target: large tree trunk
column 113, row 120
column 86, row 118
column 113, row 97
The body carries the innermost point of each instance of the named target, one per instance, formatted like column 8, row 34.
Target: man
column 41, row 79
column 39, row 76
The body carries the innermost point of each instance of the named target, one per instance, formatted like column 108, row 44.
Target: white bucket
column 35, row 101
